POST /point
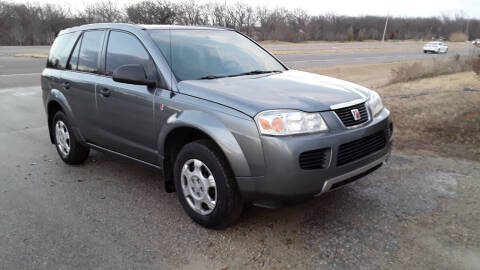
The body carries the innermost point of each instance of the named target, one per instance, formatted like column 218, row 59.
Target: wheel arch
column 188, row 126
column 56, row 101
column 52, row 108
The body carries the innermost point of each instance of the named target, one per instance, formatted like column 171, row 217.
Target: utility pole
column 225, row 15
column 466, row 30
column 385, row 30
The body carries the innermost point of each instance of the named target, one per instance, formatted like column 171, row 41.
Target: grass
column 372, row 75
column 32, row 55
column 435, row 67
column 436, row 116
column 323, row 42
column 341, row 50
column 433, row 116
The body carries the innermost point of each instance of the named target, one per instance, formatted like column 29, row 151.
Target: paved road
column 110, row 213
column 302, row 61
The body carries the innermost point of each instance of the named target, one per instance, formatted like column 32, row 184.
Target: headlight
column 289, row 122
column 375, row 103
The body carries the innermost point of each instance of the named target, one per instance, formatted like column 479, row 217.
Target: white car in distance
column 435, row 47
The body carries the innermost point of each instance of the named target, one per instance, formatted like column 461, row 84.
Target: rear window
column 60, row 51
column 89, row 50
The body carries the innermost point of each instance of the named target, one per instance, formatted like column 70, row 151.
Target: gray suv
column 225, row 121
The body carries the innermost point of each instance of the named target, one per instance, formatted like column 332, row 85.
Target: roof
column 136, row 27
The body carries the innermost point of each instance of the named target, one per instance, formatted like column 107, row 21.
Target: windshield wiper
column 211, row 77
column 253, row 72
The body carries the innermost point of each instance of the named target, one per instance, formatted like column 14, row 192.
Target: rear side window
column 73, row 63
column 60, row 51
column 124, row 49
column 89, row 50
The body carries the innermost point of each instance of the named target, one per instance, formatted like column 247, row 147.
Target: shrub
column 350, row 35
column 458, row 37
column 476, row 64
column 406, row 72
column 361, row 35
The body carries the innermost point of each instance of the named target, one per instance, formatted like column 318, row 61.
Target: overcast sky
column 411, row 8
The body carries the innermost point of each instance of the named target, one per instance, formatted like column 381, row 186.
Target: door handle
column 105, row 92
column 66, row 85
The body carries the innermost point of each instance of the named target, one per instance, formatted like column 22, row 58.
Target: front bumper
column 284, row 179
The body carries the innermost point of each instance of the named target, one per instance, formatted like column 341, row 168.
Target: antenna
column 225, row 15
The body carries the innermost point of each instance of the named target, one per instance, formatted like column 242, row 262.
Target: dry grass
column 333, row 43
column 32, row 55
column 433, row 116
column 437, row 116
column 370, row 75
column 343, row 50
column 435, row 67
column 458, row 37
column 476, row 64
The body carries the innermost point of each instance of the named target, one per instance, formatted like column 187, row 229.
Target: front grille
column 315, row 159
column 354, row 150
column 345, row 114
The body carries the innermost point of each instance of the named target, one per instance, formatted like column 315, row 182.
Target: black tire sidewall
column 225, row 197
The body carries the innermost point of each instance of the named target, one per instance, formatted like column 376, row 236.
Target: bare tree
column 191, row 13
column 103, row 12
column 149, row 12
column 28, row 24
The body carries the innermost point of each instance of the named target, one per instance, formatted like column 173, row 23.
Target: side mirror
column 132, row 74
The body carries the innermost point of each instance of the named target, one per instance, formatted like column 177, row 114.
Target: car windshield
column 211, row 54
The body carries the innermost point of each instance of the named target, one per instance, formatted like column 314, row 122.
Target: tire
column 228, row 203
column 424, row 51
column 77, row 153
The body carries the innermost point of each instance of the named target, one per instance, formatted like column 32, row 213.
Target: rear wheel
column 68, row 147
column 205, row 185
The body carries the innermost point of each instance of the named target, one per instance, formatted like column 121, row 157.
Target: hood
column 290, row 89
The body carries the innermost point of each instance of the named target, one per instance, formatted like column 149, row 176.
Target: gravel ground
column 414, row 213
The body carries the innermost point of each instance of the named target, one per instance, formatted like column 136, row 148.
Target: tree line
column 31, row 24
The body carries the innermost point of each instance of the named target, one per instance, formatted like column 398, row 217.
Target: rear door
column 126, row 112
column 79, row 77
column 57, row 60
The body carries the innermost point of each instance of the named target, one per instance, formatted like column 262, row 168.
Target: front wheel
column 205, row 185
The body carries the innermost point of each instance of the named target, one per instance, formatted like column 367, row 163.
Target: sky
column 409, row 8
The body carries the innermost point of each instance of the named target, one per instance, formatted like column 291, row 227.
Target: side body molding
column 215, row 129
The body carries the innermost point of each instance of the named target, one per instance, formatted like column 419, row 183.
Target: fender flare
column 57, row 96
column 215, row 129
